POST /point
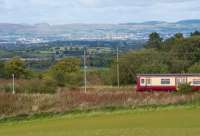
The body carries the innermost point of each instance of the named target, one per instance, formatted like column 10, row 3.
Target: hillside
column 44, row 32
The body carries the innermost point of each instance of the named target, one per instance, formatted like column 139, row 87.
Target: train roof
column 158, row 75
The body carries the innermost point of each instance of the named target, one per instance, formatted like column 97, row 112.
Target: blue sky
column 96, row 11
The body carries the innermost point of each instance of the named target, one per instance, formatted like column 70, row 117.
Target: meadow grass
column 165, row 121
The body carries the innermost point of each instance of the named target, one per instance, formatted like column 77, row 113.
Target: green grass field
column 165, row 122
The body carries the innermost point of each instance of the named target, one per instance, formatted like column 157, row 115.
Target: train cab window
column 196, row 82
column 165, row 81
column 142, row 81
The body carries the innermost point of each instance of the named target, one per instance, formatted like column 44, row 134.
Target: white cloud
column 68, row 11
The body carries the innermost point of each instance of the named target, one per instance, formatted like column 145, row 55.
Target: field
column 102, row 111
column 180, row 121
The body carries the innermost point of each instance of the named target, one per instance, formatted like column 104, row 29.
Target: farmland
column 170, row 121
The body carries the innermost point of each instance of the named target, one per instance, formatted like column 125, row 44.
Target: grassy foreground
column 166, row 122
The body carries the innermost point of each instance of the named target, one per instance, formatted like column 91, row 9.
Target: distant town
column 42, row 33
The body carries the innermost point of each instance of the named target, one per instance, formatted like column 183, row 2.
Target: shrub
column 32, row 86
column 99, row 77
column 74, row 79
column 66, row 72
column 194, row 68
column 8, row 88
column 184, row 88
column 39, row 86
column 60, row 78
column 15, row 66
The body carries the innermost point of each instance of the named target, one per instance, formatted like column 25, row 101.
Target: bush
column 32, row 86
column 16, row 66
column 60, row 78
column 39, row 86
column 194, row 68
column 74, row 79
column 66, row 72
column 184, row 88
column 8, row 88
column 99, row 77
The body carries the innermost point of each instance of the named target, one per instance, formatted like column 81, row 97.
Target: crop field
column 180, row 121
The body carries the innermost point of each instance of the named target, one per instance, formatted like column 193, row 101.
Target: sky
column 97, row 11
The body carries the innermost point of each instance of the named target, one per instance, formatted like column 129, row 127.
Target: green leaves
column 140, row 61
column 66, row 72
column 194, row 68
column 16, row 66
column 67, row 65
column 154, row 41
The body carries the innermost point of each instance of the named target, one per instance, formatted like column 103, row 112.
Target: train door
column 148, row 81
column 181, row 80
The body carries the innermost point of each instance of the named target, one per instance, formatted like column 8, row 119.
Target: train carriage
column 166, row 82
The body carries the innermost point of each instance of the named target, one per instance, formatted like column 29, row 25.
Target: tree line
column 177, row 54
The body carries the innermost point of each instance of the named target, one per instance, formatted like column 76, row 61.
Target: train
column 166, row 82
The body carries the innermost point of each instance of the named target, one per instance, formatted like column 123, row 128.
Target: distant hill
column 44, row 32
column 146, row 23
column 187, row 22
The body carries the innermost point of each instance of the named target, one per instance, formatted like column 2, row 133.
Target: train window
column 181, row 81
column 148, row 81
column 142, row 81
column 165, row 81
column 196, row 82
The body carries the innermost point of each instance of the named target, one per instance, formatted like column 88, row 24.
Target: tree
column 196, row 33
column 177, row 54
column 178, row 36
column 16, row 66
column 154, row 41
column 65, row 70
column 1, row 69
column 172, row 42
column 60, row 78
column 194, row 68
column 67, row 65
column 182, row 52
column 136, row 62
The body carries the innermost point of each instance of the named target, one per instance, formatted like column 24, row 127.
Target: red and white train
column 166, row 82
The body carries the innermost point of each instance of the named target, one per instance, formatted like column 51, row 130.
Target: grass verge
column 98, row 111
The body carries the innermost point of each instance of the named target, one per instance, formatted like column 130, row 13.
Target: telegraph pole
column 85, row 71
column 13, row 83
column 118, row 80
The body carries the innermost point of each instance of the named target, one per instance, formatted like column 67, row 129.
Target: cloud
column 87, row 3
column 2, row 5
column 91, row 11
